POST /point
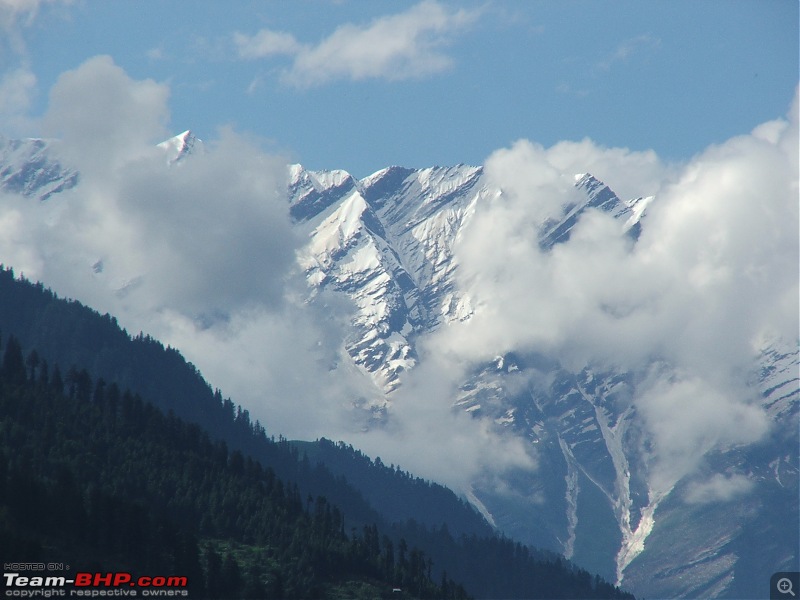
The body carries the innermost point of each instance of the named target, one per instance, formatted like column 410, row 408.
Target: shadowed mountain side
column 488, row 566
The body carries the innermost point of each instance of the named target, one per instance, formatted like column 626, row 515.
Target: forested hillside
column 100, row 476
column 91, row 469
column 68, row 333
column 399, row 494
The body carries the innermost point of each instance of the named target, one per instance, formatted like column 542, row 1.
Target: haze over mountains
column 611, row 377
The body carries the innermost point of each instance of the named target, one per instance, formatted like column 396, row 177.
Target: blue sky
column 360, row 85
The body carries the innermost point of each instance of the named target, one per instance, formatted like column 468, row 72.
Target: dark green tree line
column 222, row 474
column 103, row 476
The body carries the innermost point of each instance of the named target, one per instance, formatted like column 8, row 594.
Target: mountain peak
column 311, row 192
column 588, row 182
column 180, row 146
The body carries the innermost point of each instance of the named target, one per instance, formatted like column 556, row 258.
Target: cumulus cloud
column 402, row 46
column 526, row 165
column 200, row 254
column 105, row 118
column 18, row 228
column 285, row 364
column 688, row 416
column 289, row 368
column 712, row 276
column 203, row 239
column 430, row 439
column 167, row 249
column 17, row 88
column 18, row 83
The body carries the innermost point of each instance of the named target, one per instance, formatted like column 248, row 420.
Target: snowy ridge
column 312, row 192
column 182, row 145
column 348, row 251
column 598, row 196
column 779, row 379
column 398, row 268
column 393, row 258
column 402, row 224
column 28, row 167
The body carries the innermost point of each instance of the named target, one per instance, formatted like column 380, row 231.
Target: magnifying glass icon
column 784, row 586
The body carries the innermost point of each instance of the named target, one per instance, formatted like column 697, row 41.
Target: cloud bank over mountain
column 687, row 307
column 202, row 255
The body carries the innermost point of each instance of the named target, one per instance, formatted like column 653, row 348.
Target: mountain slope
column 249, row 493
column 387, row 244
column 393, row 256
column 94, row 473
column 27, row 168
column 68, row 333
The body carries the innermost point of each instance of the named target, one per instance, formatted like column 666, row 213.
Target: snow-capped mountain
column 182, row 145
column 27, row 168
column 387, row 243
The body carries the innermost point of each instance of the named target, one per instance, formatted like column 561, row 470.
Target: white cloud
column 431, row 439
column 284, row 363
column 12, row 12
column 713, row 274
column 104, row 118
column 628, row 172
column 18, row 83
column 628, row 48
column 200, row 254
column 689, row 415
column 401, row 46
column 15, row 16
column 17, row 88
column 203, row 240
column 266, row 43
column 719, row 488
column 18, row 230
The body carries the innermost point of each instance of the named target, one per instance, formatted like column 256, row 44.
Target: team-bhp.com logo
column 21, row 583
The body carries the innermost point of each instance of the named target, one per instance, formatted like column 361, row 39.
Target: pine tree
column 13, row 368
